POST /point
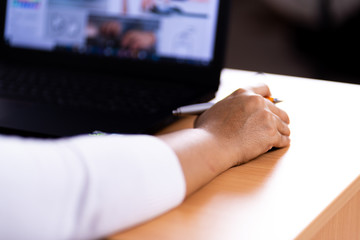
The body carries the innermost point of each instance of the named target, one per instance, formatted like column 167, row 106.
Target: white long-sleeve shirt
column 84, row 187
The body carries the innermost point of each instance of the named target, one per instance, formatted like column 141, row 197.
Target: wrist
column 200, row 156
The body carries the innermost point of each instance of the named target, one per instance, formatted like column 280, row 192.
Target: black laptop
column 73, row 67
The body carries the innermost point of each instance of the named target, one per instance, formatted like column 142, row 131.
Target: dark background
column 261, row 39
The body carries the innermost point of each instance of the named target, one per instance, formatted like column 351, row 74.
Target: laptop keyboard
column 87, row 91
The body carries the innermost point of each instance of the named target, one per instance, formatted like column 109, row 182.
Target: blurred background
column 305, row 38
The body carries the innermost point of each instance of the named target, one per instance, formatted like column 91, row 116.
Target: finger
column 103, row 29
column 127, row 39
column 283, row 141
column 282, row 127
column 135, row 45
column 261, row 89
column 279, row 112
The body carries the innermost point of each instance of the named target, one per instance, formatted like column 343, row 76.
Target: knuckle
column 239, row 91
column 267, row 116
column 256, row 99
column 254, row 102
column 269, row 123
column 271, row 131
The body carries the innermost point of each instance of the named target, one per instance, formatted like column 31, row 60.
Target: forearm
column 85, row 187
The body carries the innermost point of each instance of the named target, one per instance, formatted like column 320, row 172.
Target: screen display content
column 154, row 30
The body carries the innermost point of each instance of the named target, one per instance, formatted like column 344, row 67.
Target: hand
column 111, row 29
column 246, row 124
column 232, row 132
column 146, row 5
column 138, row 40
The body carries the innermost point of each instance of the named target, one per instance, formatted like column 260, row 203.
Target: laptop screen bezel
column 206, row 75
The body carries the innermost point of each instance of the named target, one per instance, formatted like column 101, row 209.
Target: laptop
column 70, row 67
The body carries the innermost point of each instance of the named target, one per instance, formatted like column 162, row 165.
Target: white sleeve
column 85, row 187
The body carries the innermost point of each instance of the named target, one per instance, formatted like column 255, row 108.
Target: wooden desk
column 310, row 190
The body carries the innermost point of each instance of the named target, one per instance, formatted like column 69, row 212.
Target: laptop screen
column 154, row 30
